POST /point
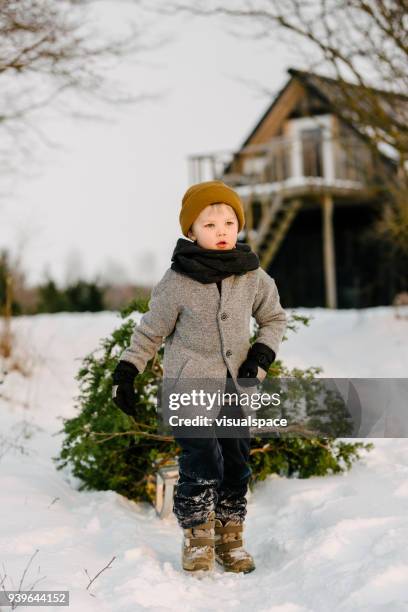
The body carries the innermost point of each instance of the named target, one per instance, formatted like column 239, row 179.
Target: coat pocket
column 183, row 368
column 174, row 378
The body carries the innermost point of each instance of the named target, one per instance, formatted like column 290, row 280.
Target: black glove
column 123, row 392
column 259, row 356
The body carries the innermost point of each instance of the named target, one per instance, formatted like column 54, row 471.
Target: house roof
column 328, row 85
column 328, row 90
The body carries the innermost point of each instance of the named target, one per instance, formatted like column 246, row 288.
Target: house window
column 311, row 147
column 312, row 153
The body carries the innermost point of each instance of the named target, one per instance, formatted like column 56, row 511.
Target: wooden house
column 311, row 193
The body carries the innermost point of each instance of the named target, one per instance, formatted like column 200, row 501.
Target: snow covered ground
column 333, row 543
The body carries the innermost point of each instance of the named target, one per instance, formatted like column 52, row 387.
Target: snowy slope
column 338, row 543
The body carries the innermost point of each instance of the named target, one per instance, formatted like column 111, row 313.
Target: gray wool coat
column 204, row 332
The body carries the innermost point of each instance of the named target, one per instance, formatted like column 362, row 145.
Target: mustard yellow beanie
column 198, row 196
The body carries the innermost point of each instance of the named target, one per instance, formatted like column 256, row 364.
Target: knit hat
column 198, row 196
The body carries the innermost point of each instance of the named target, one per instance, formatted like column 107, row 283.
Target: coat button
column 228, row 353
column 224, row 316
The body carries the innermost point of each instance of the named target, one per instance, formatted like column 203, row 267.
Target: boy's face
column 216, row 227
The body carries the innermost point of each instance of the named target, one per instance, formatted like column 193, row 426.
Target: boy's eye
column 210, row 224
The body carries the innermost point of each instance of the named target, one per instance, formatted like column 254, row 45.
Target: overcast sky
column 107, row 201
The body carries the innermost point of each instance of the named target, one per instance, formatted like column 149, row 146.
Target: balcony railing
column 288, row 160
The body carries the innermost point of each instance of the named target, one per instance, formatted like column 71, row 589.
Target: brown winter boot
column 198, row 546
column 228, row 548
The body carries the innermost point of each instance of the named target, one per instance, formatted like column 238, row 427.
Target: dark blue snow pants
column 213, row 475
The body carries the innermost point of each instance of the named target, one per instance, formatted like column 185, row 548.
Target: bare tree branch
column 108, row 566
column 49, row 48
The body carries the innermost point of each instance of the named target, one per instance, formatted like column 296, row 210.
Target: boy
column 202, row 306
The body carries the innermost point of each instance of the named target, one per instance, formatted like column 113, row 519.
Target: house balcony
column 306, row 166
